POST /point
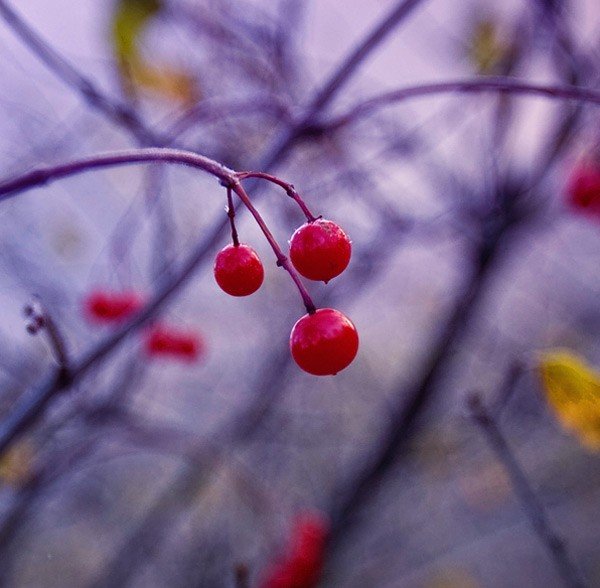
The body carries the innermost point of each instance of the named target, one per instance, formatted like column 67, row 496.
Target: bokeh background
column 196, row 468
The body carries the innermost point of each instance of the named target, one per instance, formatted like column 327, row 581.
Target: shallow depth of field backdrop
column 439, row 458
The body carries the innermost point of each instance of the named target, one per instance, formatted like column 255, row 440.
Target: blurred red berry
column 302, row 565
column 584, row 190
column 167, row 341
column 324, row 343
column 106, row 307
column 320, row 250
column 238, row 270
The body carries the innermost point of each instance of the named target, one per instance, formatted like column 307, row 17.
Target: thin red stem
column 231, row 215
column 289, row 190
column 282, row 260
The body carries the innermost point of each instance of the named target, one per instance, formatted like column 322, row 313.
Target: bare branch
column 529, row 501
column 499, row 84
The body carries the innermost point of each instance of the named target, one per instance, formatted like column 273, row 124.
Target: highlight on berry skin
column 238, row 270
column 320, row 250
column 324, row 343
column 302, row 564
column 583, row 189
column 103, row 306
column 169, row 342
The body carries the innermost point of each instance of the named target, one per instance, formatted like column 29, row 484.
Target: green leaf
column 129, row 21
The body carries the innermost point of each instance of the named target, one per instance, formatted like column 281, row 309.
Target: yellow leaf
column 487, row 49
column 573, row 391
column 168, row 82
column 130, row 19
column 15, row 463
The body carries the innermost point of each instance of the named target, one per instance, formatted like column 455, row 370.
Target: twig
column 529, row 501
column 289, row 190
column 242, row 576
column 410, row 404
column 231, row 215
column 39, row 319
column 358, row 56
column 499, row 84
column 85, row 87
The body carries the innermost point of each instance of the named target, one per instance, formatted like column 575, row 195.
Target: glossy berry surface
column 169, row 342
column 107, row 307
column 320, row 250
column 584, row 190
column 238, row 270
column 324, row 343
column 302, row 565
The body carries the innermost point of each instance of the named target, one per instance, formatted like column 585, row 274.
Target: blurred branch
column 348, row 67
column 529, row 501
column 39, row 319
column 411, row 403
column 498, row 84
column 114, row 110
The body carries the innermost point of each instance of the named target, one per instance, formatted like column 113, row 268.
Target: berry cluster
column 302, row 565
column 323, row 342
column 105, row 307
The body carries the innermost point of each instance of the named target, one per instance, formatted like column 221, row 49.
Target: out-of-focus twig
column 39, row 320
column 497, row 84
column 120, row 113
column 530, row 503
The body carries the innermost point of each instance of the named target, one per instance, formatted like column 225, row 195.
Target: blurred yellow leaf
column 452, row 578
column 573, row 391
column 16, row 463
column 130, row 19
column 487, row 49
column 168, row 82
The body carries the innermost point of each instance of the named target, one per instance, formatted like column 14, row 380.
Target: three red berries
column 322, row 342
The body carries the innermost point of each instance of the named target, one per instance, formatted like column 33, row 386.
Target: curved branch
column 46, row 174
column 499, row 84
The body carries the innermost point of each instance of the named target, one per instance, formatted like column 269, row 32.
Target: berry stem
column 289, row 190
column 231, row 215
column 282, row 260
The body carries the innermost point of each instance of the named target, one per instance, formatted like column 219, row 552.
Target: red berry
column 106, row 307
column 167, row 341
column 238, row 270
column 584, row 190
column 320, row 250
column 324, row 343
column 302, row 566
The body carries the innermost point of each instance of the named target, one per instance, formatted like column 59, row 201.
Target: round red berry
column 105, row 307
column 238, row 270
column 584, row 189
column 320, row 250
column 167, row 341
column 324, row 343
